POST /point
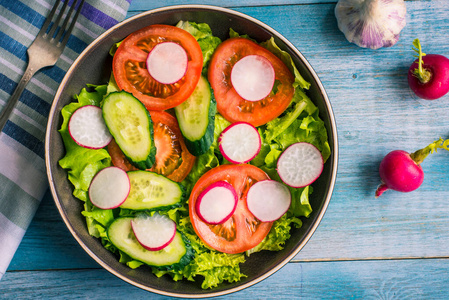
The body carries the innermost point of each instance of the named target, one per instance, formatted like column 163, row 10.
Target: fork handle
column 7, row 110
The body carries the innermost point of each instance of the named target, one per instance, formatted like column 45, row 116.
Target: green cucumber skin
column 185, row 260
column 137, row 252
column 201, row 145
column 148, row 162
column 132, row 203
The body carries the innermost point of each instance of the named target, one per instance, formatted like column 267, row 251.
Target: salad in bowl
column 199, row 153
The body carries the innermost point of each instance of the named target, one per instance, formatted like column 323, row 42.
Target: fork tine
column 66, row 21
column 49, row 18
column 69, row 30
column 58, row 20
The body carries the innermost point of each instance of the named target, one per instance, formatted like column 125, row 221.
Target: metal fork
column 45, row 49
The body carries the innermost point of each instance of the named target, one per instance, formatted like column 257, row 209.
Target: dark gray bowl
column 93, row 66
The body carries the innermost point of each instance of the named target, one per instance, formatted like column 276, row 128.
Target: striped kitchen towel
column 23, row 180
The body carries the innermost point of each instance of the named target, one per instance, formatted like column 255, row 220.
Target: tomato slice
column 172, row 157
column 242, row 231
column 131, row 73
column 233, row 107
column 173, row 160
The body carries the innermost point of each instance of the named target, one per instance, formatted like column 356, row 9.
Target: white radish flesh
column 253, row 77
column 268, row 200
column 109, row 188
column 239, row 143
column 167, row 62
column 88, row 129
column 300, row 165
column 217, row 203
column 154, row 232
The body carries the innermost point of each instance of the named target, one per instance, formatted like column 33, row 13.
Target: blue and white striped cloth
column 23, row 179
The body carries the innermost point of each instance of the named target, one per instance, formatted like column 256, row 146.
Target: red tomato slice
column 172, row 157
column 131, row 74
column 233, row 107
column 173, row 160
column 242, row 231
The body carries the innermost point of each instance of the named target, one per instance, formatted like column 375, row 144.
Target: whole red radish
column 428, row 76
column 401, row 171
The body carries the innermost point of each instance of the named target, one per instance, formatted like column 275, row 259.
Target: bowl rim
column 334, row 147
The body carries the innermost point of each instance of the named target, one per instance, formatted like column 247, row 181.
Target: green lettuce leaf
column 279, row 234
column 215, row 267
column 300, row 206
column 212, row 267
column 203, row 34
column 310, row 129
column 299, row 103
column 234, row 34
column 96, row 218
column 130, row 262
column 288, row 61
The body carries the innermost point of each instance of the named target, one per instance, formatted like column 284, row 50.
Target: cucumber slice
column 196, row 118
column 150, row 191
column 174, row 256
column 130, row 124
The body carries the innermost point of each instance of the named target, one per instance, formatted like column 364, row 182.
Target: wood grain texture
column 48, row 243
column 143, row 5
column 393, row 246
column 384, row 279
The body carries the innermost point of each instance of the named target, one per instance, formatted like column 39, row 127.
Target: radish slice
column 253, row 77
column 268, row 200
column 109, row 188
column 167, row 62
column 300, row 165
column 240, row 142
column 154, row 232
column 88, row 129
column 217, row 203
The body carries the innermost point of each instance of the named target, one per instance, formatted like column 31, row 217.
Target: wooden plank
column 144, row 5
column 48, row 243
column 375, row 114
column 402, row 279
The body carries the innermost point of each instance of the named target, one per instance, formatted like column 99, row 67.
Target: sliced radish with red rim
column 154, row 232
column 167, row 62
column 88, row 129
column 268, row 200
column 300, row 165
column 217, row 203
column 109, row 188
column 240, row 142
column 253, row 77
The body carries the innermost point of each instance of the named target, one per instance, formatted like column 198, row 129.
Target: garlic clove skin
column 371, row 23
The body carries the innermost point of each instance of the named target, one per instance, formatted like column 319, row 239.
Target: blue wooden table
column 395, row 246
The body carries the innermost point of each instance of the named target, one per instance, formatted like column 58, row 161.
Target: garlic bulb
column 371, row 23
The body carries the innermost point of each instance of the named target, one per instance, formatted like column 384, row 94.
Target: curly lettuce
column 203, row 34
